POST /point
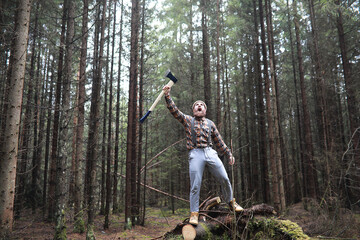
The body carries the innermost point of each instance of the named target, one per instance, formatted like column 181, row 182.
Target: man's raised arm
column 172, row 107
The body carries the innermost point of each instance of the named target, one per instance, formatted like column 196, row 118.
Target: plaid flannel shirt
column 201, row 128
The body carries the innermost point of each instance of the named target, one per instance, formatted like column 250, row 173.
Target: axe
column 173, row 80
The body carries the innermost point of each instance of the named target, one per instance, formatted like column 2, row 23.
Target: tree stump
column 218, row 221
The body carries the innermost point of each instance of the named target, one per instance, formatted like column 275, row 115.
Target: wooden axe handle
column 170, row 83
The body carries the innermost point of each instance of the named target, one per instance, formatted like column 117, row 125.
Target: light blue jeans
column 198, row 159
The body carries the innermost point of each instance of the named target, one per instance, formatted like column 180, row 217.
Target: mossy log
column 218, row 222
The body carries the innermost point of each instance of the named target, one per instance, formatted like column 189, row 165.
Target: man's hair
column 199, row 101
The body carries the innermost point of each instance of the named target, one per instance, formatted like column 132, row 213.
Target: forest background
column 278, row 77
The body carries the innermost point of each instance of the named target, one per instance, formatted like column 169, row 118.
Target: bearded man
column 201, row 133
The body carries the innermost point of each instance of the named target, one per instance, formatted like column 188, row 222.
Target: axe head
column 169, row 75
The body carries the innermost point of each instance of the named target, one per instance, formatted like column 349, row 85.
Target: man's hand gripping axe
column 173, row 80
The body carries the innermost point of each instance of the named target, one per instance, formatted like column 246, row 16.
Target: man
column 200, row 134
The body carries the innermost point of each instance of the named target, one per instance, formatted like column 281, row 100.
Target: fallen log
column 216, row 221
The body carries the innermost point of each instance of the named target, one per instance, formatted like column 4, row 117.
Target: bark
column 321, row 102
column 21, row 197
column 298, row 153
column 56, row 127
column 109, row 141
column 81, row 98
column 352, row 104
column 276, row 195
column 35, row 191
column 246, row 164
column 73, row 144
column 104, row 144
column 264, row 169
column 140, row 126
column 10, row 134
column 217, row 221
column 276, row 109
column 227, row 126
column 47, row 141
column 192, row 66
column 117, row 121
column 240, row 188
column 93, row 135
column 311, row 185
column 206, row 59
column 218, row 66
column 131, row 210
column 42, row 131
column 308, row 181
column 65, row 123
column 94, row 94
column 35, row 157
column 254, row 162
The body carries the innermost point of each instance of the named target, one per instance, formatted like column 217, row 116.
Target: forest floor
column 315, row 223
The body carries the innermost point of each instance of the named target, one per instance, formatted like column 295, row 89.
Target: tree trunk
column 247, row 164
column 352, row 106
column 227, row 126
column 56, row 127
column 47, row 141
column 21, row 197
column 36, row 79
column 42, row 130
column 276, row 194
column 10, row 134
column 117, row 121
column 65, row 123
column 109, row 141
column 308, row 178
column 298, row 153
column 192, row 67
column 35, row 190
column 275, row 114
column 81, row 112
column 141, row 93
column 131, row 210
column 320, row 102
column 93, row 135
column 239, row 188
column 264, row 169
column 216, row 221
column 206, row 60
column 104, row 144
column 218, row 66
column 311, row 185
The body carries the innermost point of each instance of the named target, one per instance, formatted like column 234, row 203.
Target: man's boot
column 194, row 216
column 234, row 206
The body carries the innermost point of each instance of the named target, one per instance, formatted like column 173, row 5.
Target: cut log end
column 188, row 232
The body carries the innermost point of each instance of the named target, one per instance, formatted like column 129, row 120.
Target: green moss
column 79, row 225
column 224, row 237
column 174, row 237
column 60, row 229
column 90, row 235
column 275, row 229
column 292, row 229
column 209, row 235
column 128, row 224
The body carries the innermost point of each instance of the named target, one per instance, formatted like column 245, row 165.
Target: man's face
column 199, row 109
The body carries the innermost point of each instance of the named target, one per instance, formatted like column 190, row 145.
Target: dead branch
column 157, row 190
